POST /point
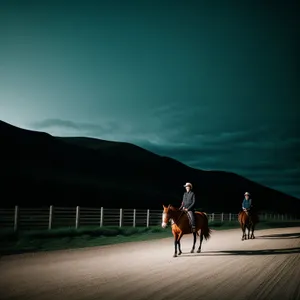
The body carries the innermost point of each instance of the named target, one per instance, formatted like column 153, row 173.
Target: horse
column 181, row 225
column 248, row 220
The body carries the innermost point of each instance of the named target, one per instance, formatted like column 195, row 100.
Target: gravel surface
column 228, row 268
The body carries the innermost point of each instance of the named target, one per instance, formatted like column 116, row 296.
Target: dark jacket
column 247, row 203
column 188, row 200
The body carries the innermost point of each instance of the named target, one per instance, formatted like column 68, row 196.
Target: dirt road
column 265, row 268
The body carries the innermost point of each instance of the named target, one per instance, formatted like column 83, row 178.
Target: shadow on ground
column 280, row 236
column 245, row 252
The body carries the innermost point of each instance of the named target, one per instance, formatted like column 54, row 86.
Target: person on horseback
column 248, row 217
column 247, row 202
column 188, row 204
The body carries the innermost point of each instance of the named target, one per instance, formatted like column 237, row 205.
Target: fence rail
column 52, row 217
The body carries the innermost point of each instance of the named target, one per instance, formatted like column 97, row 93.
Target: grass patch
column 218, row 225
column 277, row 224
column 263, row 224
column 67, row 238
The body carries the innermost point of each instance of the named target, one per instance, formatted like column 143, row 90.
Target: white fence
column 57, row 217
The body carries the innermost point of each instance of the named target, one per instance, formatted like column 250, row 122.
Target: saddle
column 248, row 211
column 190, row 221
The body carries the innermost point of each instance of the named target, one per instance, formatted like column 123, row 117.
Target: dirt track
column 265, row 268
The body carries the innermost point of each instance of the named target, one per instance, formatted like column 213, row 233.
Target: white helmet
column 247, row 194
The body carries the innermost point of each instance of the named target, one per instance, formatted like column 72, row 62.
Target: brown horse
column 181, row 226
column 248, row 220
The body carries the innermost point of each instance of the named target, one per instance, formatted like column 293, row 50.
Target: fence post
column 230, row 217
column 134, row 217
column 213, row 217
column 50, row 217
column 148, row 217
column 121, row 215
column 77, row 217
column 16, row 218
column 222, row 217
column 101, row 216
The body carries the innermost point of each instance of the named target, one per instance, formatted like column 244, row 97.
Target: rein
column 177, row 218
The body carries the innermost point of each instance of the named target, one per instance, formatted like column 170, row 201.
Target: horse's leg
column 175, row 243
column 194, row 241
column 243, row 232
column 252, row 235
column 201, row 240
column 178, row 243
column 249, row 227
column 246, row 232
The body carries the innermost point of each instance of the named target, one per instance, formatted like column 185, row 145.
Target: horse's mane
column 173, row 208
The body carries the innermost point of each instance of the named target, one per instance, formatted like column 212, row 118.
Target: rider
column 188, row 204
column 247, row 202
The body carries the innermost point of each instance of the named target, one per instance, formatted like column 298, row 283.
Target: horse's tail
column 206, row 231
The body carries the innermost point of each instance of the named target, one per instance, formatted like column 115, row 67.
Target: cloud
column 48, row 123
column 58, row 127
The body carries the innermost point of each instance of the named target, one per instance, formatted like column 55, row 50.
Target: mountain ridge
column 87, row 171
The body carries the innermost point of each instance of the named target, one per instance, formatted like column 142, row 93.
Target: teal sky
column 212, row 84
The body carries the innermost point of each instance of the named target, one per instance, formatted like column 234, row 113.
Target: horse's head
column 168, row 213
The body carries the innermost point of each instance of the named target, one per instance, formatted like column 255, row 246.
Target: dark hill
column 39, row 168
